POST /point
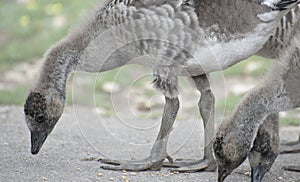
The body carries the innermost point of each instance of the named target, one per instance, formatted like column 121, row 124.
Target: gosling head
column 261, row 163
column 41, row 113
column 257, row 173
column 229, row 155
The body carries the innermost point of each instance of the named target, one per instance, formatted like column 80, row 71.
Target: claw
column 109, row 161
column 113, row 168
column 90, row 159
column 292, row 168
column 180, row 163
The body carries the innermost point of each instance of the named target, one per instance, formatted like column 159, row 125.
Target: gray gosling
column 253, row 128
column 266, row 144
column 178, row 37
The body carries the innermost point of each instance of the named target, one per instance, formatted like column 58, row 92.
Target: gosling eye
column 26, row 111
column 40, row 118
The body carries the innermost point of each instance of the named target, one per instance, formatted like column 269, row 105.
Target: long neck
column 70, row 54
column 59, row 62
column 100, row 41
column 250, row 114
column 246, row 119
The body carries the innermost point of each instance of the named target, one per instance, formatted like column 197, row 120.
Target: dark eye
column 40, row 118
column 26, row 111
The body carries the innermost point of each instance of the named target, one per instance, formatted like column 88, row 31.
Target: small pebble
column 133, row 173
column 45, row 179
column 100, row 174
column 111, row 179
column 280, row 178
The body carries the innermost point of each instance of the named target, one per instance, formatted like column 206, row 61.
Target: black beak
column 221, row 175
column 257, row 173
column 37, row 140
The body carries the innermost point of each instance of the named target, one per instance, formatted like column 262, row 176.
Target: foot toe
column 203, row 165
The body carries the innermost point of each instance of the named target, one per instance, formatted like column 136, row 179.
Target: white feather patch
column 270, row 3
column 266, row 17
column 221, row 55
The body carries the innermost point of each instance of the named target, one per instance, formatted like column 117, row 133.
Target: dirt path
column 92, row 136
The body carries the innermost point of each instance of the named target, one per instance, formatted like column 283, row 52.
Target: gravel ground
column 81, row 134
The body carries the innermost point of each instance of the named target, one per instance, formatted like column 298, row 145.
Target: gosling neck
column 59, row 63
column 249, row 116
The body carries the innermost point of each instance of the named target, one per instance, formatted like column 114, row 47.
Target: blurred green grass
column 254, row 66
column 28, row 29
column 13, row 96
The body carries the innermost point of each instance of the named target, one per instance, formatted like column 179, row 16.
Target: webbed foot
column 141, row 165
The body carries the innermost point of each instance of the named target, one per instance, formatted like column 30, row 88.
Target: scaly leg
column 206, row 107
column 159, row 150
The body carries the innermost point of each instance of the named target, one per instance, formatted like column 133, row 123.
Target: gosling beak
column 222, row 175
column 37, row 140
column 257, row 173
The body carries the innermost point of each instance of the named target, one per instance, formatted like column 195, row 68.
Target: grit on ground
column 61, row 157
